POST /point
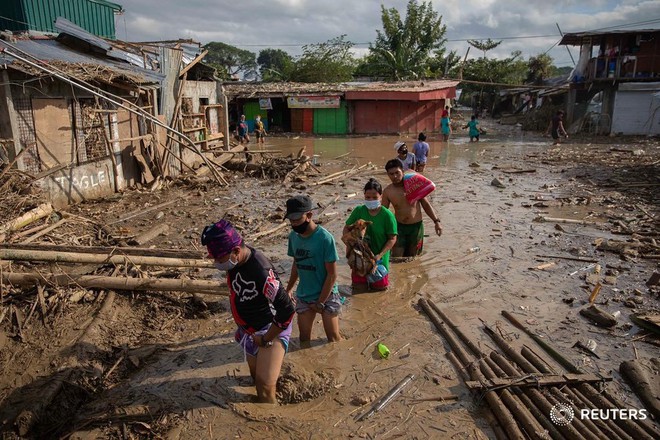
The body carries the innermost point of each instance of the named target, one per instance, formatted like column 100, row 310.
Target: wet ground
column 195, row 383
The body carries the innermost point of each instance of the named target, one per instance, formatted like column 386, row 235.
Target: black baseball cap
column 297, row 206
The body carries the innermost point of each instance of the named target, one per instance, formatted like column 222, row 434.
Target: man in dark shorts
column 556, row 127
column 410, row 240
column 261, row 308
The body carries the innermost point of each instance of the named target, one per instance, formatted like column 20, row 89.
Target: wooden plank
column 541, row 380
column 197, row 59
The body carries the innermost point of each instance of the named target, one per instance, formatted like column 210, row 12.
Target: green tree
column 440, row 64
column 484, row 45
column 539, row 68
column 230, row 60
column 330, row 61
column 486, row 75
column 403, row 49
column 275, row 65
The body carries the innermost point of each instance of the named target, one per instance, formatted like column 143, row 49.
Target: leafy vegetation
column 275, row 65
column 331, row 61
column 403, row 49
column 230, row 60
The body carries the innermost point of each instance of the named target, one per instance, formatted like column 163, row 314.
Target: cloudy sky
column 529, row 26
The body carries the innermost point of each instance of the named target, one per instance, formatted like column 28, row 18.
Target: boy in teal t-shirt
column 474, row 129
column 315, row 264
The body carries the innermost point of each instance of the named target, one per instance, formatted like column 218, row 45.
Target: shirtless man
column 408, row 217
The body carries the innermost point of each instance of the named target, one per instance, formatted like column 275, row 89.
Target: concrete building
column 616, row 84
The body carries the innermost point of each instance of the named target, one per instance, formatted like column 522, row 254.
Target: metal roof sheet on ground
column 256, row 89
column 578, row 38
column 51, row 50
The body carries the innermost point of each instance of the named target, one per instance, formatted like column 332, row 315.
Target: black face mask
column 301, row 228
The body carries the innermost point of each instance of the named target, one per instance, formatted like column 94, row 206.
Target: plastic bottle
column 384, row 351
column 474, row 249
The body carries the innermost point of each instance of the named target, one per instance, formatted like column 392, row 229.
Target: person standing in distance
column 421, row 152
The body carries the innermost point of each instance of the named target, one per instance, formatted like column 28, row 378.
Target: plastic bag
column 416, row 186
column 377, row 274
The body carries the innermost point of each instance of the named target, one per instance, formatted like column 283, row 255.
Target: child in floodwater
column 473, row 129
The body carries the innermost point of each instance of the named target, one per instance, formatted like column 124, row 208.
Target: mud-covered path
column 195, row 383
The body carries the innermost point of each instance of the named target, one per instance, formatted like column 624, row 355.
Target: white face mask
column 372, row 204
column 226, row 266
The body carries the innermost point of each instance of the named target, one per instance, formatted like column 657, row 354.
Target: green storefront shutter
column 251, row 110
column 331, row 120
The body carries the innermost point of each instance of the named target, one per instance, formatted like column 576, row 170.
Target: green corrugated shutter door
column 331, row 120
column 251, row 110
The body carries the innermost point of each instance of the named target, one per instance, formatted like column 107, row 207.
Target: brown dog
column 359, row 255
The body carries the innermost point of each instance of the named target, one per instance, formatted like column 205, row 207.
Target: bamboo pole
column 164, row 253
column 568, row 431
column 530, row 405
column 616, row 430
column 529, row 368
column 604, row 400
column 73, row 257
column 526, row 419
column 118, row 283
column 500, row 411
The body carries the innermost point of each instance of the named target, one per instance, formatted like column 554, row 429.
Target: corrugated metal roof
column 68, row 28
column 52, row 50
column 253, row 89
column 579, row 38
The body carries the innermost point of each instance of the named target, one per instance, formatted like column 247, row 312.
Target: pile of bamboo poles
column 524, row 411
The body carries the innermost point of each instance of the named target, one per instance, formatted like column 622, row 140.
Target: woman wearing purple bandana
column 255, row 291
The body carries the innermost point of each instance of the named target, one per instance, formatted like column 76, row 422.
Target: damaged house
column 344, row 108
column 616, row 83
column 87, row 117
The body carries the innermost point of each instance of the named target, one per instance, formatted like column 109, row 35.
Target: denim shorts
column 332, row 304
column 245, row 340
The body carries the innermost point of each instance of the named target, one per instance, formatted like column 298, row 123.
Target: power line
column 364, row 44
column 638, row 23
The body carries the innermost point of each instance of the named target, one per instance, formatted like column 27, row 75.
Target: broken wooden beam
column 150, row 234
column 542, row 219
column 31, row 216
column 535, row 380
column 143, row 211
column 215, row 287
column 74, row 257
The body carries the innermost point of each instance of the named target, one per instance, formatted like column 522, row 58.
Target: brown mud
column 166, row 365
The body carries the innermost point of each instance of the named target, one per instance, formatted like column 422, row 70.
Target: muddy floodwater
column 197, row 385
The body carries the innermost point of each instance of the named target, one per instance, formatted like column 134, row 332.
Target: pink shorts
column 378, row 285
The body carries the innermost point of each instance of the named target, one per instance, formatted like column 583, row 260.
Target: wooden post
column 74, row 257
column 119, row 283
